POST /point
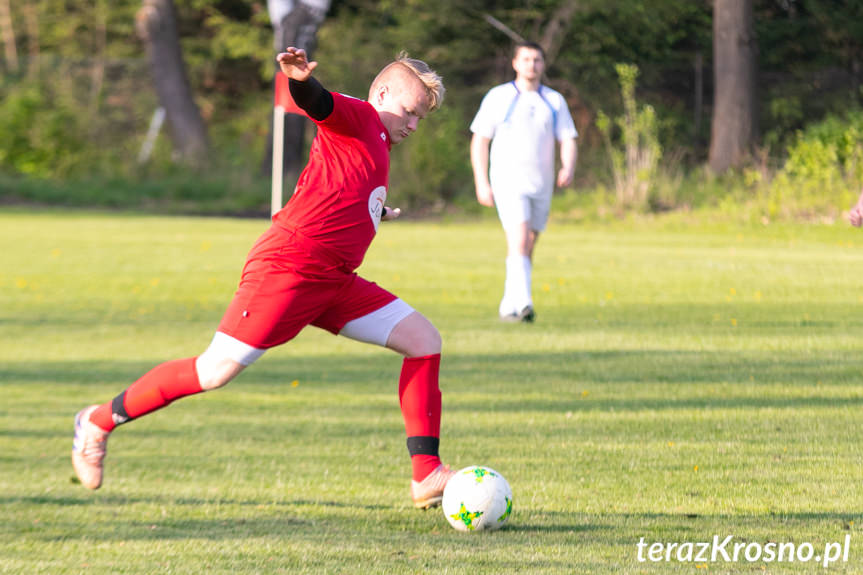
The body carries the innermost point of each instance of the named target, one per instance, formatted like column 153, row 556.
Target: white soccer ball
column 477, row 498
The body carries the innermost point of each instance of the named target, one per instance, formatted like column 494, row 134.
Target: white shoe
column 526, row 315
column 88, row 449
column 429, row 492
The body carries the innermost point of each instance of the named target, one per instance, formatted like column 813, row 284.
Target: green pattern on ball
column 466, row 516
column 507, row 512
column 479, row 473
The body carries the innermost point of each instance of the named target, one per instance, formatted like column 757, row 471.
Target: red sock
column 420, row 400
column 156, row 389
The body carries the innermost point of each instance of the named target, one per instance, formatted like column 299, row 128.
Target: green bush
column 823, row 171
column 634, row 159
column 41, row 136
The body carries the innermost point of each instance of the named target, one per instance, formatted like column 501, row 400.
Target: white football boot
column 88, row 449
column 429, row 492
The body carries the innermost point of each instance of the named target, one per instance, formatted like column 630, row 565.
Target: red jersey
column 339, row 198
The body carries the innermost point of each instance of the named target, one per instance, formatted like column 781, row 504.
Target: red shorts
column 287, row 284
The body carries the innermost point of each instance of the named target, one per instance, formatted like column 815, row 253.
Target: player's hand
column 485, row 196
column 855, row 216
column 295, row 64
column 564, row 178
column 390, row 214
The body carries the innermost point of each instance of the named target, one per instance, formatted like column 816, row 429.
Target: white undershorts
column 374, row 327
column 515, row 209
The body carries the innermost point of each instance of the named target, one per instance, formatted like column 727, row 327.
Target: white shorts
column 515, row 209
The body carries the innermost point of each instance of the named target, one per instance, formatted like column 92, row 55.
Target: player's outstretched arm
column 295, row 64
column 568, row 157
column 479, row 161
column 306, row 91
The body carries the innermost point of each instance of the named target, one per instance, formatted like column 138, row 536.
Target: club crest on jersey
column 376, row 204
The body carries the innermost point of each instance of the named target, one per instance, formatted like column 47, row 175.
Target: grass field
column 682, row 382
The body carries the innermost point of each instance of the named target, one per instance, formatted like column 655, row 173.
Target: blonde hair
column 403, row 65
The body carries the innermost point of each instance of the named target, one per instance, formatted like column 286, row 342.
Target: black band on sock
column 118, row 410
column 423, row 445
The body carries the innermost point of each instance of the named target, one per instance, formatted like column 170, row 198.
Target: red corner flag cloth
column 283, row 96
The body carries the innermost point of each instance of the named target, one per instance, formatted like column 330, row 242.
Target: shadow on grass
column 641, row 366
column 231, row 519
column 113, row 500
column 549, row 381
column 235, row 519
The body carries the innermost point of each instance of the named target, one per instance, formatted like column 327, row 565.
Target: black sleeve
column 312, row 97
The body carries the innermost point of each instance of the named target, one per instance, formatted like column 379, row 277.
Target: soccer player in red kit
column 301, row 272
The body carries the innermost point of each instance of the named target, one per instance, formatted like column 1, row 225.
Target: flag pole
column 278, row 158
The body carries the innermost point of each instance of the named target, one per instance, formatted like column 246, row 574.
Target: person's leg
column 159, row 387
column 419, row 391
column 398, row 327
column 519, row 267
column 540, row 207
column 420, row 399
column 522, row 243
column 258, row 313
column 514, row 213
column 270, row 307
column 394, row 324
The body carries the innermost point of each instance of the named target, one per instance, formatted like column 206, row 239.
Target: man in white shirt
column 521, row 120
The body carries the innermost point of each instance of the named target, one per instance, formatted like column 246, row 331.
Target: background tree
column 7, row 35
column 734, row 128
column 156, row 23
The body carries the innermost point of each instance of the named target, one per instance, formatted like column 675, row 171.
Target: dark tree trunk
column 698, row 104
column 157, row 27
column 7, row 32
column 556, row 29
column 299, row 29
column 734, row 127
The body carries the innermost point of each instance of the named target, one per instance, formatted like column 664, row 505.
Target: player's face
column 401, row 106
column 528, row 64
